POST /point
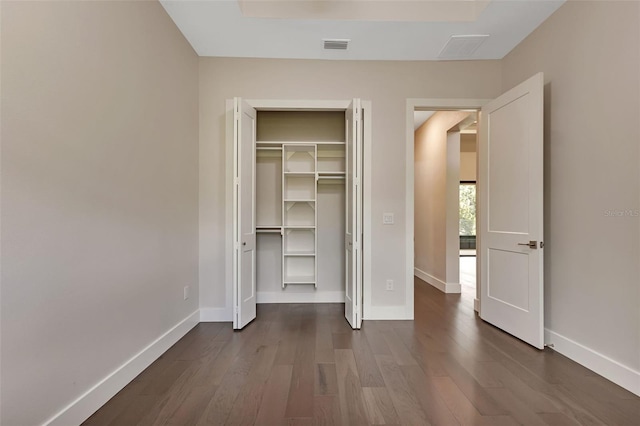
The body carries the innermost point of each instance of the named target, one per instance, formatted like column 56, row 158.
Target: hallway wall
column 436, row 171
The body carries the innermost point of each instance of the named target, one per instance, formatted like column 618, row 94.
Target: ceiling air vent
column 336, row 44
column 462, row 46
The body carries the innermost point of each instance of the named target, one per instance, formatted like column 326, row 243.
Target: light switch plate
column 387, row 218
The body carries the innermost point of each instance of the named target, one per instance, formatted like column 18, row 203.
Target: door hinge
column 541, row 244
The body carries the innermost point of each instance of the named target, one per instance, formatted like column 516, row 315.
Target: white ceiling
column 219, row 27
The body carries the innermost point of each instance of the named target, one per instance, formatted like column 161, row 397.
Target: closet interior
column 300, row 206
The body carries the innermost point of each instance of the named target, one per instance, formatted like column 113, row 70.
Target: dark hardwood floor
column 302, row 365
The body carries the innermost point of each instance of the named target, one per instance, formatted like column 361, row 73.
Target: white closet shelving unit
column 299, row 214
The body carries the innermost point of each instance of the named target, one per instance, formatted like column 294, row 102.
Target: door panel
column 510, row 200
column 353, row 211
column 244, row 214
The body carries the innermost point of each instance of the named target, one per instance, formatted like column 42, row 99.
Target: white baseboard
column 618, row 373
column 290, row 297
column 476, row 305
column 437, row 283
column 216, row 314
column 387, row 313
column 87, row 404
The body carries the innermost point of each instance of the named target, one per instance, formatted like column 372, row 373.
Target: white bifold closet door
column 353, row 207
column 510, row 200
column 244, row 213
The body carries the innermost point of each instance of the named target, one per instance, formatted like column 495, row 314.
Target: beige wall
column 432, row 168
column 99, row 194
column 589, row 52
column 386, row 84
column 468, row 157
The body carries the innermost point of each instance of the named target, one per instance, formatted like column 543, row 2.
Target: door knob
column 532, row 244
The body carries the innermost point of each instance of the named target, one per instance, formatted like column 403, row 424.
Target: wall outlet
column 186, row 292
column 389, row 285
column 387, row 218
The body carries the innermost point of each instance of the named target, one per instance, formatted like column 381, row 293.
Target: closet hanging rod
column 269, row 148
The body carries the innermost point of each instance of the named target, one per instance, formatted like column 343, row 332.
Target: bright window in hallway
column 468, row 209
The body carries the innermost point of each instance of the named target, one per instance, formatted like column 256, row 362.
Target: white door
column 510, row 198
column 353, row 210
column 244, row 196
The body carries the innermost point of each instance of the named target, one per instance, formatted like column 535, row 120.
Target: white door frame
column 299, row 105
column 443, row 104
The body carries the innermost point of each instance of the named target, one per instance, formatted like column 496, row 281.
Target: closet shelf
column 300, row 174
column 309, row 279
column 311, row 143
column 299, row 227
column 300, row 253
column 299, row 200
column 269, row 231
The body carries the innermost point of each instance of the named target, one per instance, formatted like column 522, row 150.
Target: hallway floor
column 468, row 271
column 302, row 365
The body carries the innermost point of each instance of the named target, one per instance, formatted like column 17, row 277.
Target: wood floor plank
column 349, row 389
column 462, row 408
column 246, row 406
column 326, row 410
column 326, row 381
column 537, row 401
column 192, row 407
column 324, row 343
column 518, row 408
column 301, row 393
column 365, row 361
column 288, row 343
column 427, row 395
column 404, row 400
column 342, row 340
column 276, row 395
column 379, row 406
column 375, row 338
column 398, row 349
column 478, row 395
column 558, row 419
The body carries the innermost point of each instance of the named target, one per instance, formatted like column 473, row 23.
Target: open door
column 353, row 210
column 244, row 196
column 510, row 195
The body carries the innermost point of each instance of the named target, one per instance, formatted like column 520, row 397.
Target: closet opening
column 299, row 232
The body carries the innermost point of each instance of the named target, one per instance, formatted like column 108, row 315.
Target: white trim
column 298, row 105
column 476, row 305
column 289, row 297
column 411, row 105
column 229, row 219
column 367, row 171
column 216, row 314
column 613, row 370
column 438, row 283
column 388, row 313
column 87, row 404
